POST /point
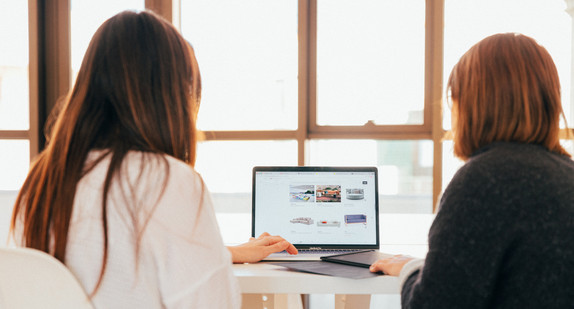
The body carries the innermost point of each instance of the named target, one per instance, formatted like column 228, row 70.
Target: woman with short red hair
column 504, row 233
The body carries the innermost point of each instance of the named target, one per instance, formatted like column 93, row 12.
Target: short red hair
column 505, row 88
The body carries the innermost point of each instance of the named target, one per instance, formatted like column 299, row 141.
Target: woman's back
column 181, row 260
column 503, row 235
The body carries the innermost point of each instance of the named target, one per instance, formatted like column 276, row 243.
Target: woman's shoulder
column 511, row 169
column 509, row 152
column 506, row 159
column 151, row 174
column 173, row 184
column 154, row 163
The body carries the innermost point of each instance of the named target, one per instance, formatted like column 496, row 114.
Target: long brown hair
column 138, row 89
column 505, row 88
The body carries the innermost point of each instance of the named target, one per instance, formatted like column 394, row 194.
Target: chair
column 30, row 278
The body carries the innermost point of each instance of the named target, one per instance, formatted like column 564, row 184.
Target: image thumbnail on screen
column 328, row 193
column 302, row 193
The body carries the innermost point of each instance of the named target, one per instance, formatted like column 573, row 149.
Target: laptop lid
column 317, row 207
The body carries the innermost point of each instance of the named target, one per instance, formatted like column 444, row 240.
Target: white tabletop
column 267, row 278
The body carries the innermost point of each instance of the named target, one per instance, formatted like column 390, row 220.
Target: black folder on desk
column 360, row 259
column 329, row 269
column 348, row 265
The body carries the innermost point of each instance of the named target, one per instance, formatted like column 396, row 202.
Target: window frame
column 308, row 129
column 32, row 134
column 50, row 80
column 50, row 77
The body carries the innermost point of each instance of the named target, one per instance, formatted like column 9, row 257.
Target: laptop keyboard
column 328, row 252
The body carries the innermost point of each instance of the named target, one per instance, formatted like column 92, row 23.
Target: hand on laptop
column 391, row 266
column 259, row 248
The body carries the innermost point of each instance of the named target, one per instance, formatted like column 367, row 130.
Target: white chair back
column 30, row 278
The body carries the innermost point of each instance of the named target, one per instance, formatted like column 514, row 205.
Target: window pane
column 87, row 17
column 469, row 21
column 14, row 163
column 450, row 163
column 568, row 145
column 370, row 62
column 405, row 168
column 247, row 53
column 14, row 97
column 226, row 168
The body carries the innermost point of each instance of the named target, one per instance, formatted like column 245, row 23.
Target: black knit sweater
column 503, row 236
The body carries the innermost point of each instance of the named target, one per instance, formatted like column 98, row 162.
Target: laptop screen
column 327, row 207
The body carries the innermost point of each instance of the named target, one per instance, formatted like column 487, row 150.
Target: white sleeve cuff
column 409, row 269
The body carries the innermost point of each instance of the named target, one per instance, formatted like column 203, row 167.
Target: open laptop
column 320, row 210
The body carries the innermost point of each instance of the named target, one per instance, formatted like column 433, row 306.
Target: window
column 468, row 21
column 340, row 84
column 226, row 168
column 296, row 82
column 14, row 95
column 247, row 54
column 370, row 62
column 405, row 168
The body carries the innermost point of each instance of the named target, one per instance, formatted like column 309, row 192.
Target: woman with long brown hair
column 114, row 195
column 504, row 233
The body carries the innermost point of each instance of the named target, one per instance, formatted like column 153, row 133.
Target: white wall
column 7, row 199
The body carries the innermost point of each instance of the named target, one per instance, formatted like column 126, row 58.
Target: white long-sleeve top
column 180, row 262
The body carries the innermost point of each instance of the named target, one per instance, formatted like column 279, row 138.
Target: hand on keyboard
column 259, row 248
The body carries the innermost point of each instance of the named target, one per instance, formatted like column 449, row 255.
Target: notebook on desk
column 360, row 259
column 320, row 210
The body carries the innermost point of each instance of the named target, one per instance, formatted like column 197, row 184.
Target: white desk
column 268, row 286
column 266, row 278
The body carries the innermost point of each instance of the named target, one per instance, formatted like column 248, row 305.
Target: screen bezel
column 361, row 169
